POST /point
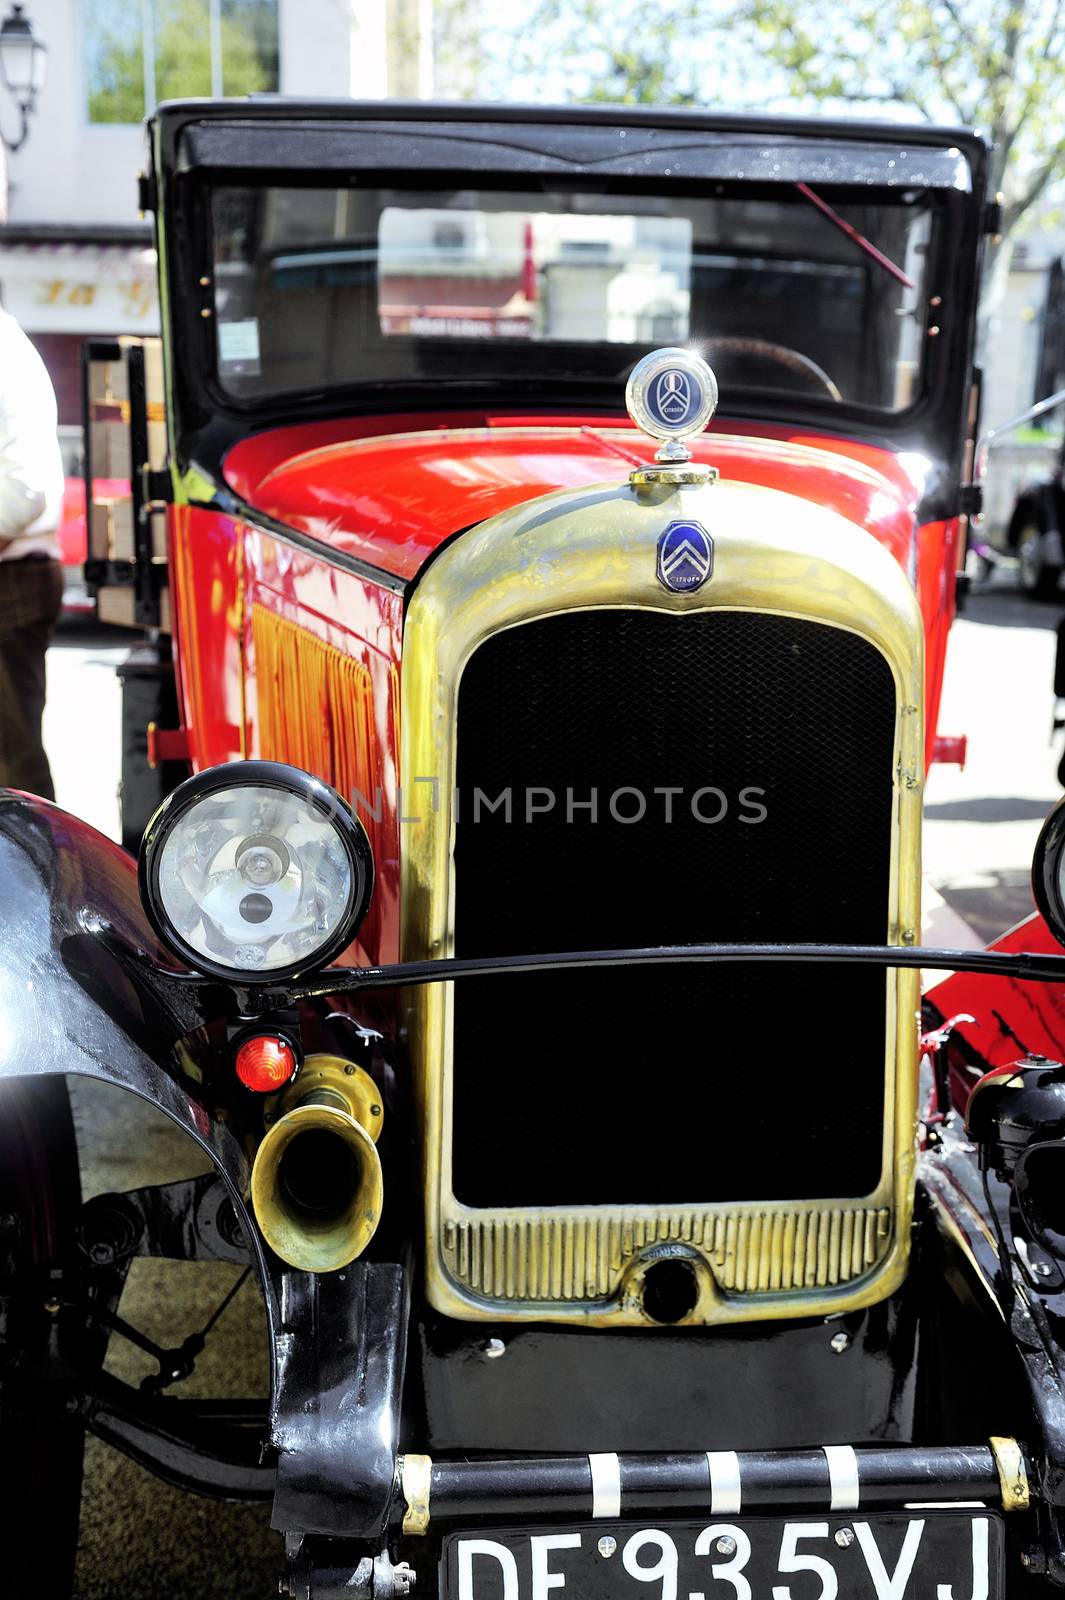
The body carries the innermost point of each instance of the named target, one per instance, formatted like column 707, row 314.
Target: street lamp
column 23, row 59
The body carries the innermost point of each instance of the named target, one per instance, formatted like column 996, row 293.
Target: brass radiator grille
column 709, row 1144
column 804, row 713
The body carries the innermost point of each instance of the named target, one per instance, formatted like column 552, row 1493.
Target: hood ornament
column 671, row 395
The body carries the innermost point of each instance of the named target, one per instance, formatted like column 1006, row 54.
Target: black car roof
column 625, row 141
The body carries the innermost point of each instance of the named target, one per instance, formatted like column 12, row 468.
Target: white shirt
column 31, row 466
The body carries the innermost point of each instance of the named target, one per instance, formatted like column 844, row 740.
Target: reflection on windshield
column 321, row 288
column 553, row 276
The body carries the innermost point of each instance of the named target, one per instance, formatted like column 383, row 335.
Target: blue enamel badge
column 685, row 557
column 674, row 397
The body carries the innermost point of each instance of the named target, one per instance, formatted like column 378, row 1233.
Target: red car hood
column 391, row 498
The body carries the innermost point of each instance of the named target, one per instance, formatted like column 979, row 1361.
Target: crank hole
column 670, row 1291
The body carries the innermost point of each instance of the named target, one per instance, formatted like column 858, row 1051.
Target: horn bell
column 316, row 1186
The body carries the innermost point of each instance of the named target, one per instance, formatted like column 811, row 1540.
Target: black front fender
column 87, row 990
column 80, row 992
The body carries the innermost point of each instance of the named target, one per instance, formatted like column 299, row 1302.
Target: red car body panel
column 363, row 622
column 1012, row 1018
column 223, row 570
column 206, row 551
column 392, row 498
column 389, row 491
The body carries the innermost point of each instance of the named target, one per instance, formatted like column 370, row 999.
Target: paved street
column 982, row 824
column 81, row 725
column 140, row 1539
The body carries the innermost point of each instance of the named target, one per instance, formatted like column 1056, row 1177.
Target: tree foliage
column 998, row 64
column 182, row 53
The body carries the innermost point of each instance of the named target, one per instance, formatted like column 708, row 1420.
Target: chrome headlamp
column 255, row 871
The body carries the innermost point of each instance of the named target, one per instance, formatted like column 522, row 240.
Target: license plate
column 918, row 1555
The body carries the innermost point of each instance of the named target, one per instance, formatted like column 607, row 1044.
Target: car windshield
column 822, row 294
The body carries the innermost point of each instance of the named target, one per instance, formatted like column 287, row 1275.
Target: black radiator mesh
column 695, row 1084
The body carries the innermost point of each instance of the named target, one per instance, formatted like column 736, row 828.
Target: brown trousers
column 31, row 595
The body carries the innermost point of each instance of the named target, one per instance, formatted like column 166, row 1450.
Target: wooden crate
column 110, row 522
column 154, row 386
column 111, row 448
column 115, row 605
column 111, row 533
column 109, row 380
column 107, row 383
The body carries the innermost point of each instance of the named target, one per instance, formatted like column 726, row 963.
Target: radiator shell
column 755, row 1257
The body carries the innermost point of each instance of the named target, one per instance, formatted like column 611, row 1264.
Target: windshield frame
column 270, row 144
column 554, row 357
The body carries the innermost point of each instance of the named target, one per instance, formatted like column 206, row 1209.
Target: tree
column 998, row 64
column 182, row 53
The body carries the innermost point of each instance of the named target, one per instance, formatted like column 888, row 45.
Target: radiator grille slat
column 582, row 1257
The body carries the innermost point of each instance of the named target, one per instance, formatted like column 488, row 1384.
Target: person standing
column 31, row 576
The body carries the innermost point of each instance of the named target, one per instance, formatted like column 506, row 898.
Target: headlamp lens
column 263, row 859
column 255, row 878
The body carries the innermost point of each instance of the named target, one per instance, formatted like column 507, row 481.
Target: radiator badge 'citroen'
column 685, row 557
column 671, row 395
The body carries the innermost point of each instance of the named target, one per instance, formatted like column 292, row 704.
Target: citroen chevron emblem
column 671, row 397
column 685, row 557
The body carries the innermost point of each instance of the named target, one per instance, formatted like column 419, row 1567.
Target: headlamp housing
column 255, row 871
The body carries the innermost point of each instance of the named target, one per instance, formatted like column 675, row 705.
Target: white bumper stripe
column 724, row 1482
column 606, row 1485
column 843, row 1476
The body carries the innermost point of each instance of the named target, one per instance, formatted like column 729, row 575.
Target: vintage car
column 1033, row 532
column 1020, row 464
column 543, row 745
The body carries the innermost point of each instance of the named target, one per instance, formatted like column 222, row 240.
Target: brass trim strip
column 753, row 1250
column 415, row 1481
column 649, row 477
column 1012, row 1473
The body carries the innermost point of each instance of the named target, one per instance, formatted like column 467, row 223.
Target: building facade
column 76, row 258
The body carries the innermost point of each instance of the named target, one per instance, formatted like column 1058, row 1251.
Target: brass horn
column 316, row 1186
